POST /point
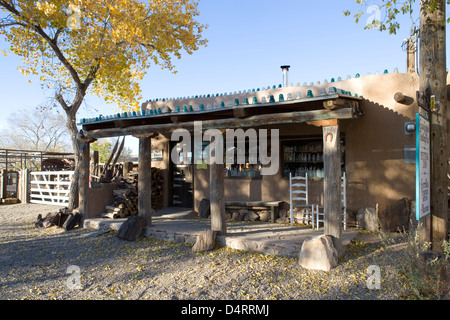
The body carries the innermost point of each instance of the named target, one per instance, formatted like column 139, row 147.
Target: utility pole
column 432, row 97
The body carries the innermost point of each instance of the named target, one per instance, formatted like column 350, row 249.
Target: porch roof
column 337, row 104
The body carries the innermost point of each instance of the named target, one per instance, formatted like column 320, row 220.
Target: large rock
column 204, row 209
column 205, row 241
column 367, row 219
column 132, row 228
column 265, row 215
column 321, row 253
column 251, row 216
column 237, row 216
column 395, row 217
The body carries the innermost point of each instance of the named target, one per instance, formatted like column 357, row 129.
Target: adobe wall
column 374, row 144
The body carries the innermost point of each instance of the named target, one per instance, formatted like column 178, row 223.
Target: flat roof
column 169, row 118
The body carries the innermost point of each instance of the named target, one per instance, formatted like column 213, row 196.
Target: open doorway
column 182, row 179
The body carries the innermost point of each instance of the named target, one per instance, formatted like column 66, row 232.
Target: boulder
column 132, row 228
column 282, row 220
column 367, row 219
column 237, row 216
column 204, row 209
column 251, row 216
column 395, row 217
column 265, row 215
column 283, row 213
column 320, row 253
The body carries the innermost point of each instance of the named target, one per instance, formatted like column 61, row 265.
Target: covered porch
column 326, row 112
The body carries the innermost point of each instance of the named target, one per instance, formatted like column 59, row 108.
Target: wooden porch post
column 217, row 199
column 3, row 183
column 83, row 179
column 332, row 181
column 145, row 178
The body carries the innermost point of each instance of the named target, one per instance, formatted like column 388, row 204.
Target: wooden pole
column 332, row 181
column 3, row 183
column 433, row 82
column 217, row 199
column 145, row 178
column 83, row 179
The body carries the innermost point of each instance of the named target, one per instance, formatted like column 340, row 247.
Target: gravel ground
column 34, row 265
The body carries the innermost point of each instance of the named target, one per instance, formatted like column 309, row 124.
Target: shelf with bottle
column 304, row 147
column 243, row 170
column 312, row 171
column 303, row 157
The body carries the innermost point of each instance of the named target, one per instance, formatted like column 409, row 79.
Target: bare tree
column 36, row 130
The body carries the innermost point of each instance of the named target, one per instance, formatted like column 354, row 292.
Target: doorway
column 182, row 179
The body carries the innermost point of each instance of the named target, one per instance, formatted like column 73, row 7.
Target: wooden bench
column 274, row 206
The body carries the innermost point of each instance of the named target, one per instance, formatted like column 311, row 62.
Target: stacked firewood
column 125, row 200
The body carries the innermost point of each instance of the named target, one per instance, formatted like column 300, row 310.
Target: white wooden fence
column 50, row 187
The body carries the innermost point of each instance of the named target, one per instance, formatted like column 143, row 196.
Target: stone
column 264, row 215
column 367, row 219
column 204, row 209
column 320, row 253
column 395, row 217
column 251, row 216
column 132, row 228
column 283, row 213
column 237, row 216
column 205, row 241
column 282, row 220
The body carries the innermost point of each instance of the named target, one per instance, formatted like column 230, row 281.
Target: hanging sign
column 157, row 155
column 422, row 166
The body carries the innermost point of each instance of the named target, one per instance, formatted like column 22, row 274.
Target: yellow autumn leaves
column 108, row 45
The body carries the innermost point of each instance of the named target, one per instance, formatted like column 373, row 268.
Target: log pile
column 125, row 200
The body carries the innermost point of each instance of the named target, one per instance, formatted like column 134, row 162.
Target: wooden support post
column 3, row 184
column 332, row 181
column 22, row 192
column 83, row 179
column 433, row 82
column 145, row 178
column 94, row 163
column 217, row 199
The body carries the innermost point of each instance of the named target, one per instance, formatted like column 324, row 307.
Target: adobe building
column 366, row 122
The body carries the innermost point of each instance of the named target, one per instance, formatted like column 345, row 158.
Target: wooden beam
column 252, row 121
column 324, row 123
column 334, row 104
column 145, row 179
column 240, row 113
column 332, row 181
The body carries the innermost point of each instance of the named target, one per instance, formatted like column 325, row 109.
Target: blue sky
column 248, row 42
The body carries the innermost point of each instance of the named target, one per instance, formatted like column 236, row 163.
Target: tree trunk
column 71, row 122
column 433, row 82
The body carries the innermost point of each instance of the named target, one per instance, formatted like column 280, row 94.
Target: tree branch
column 55, row 38
column 62, row 102
column 52, row 42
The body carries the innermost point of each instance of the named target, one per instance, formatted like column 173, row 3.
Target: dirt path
column 34, row 264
